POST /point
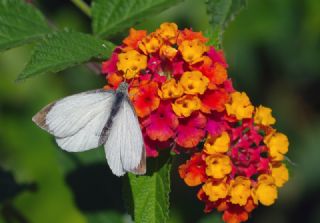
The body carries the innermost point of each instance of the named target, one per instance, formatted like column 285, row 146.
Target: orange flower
column 192, row 50
column 145, row 99
column 150, row 44
column 219, row 74
column 181, row 92
column 214, row 100
column 168, row 52
column 168, row 32
column 235, row 214
column 188, row 34
column 215, row 189
column 186, row 105
column 193, row 171
column 131, row 63
column 114, row 79
column 216, row 73
column 134, row 38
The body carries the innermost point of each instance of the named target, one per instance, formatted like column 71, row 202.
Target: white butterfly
column 87, row 120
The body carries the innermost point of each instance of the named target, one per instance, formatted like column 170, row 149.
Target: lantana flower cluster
column 183, row 97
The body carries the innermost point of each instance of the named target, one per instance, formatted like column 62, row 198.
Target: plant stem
column 82, row 6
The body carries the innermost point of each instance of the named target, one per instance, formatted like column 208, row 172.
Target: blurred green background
column 273, row 51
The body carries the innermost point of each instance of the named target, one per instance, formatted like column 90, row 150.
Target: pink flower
column 263, row 165
column 177, row 68
column 215, row 125
column 151, row 148
column 154, row 77
column 161, row 124
column 160, row 79
column 154, row 64
column 191, row 130
column 217, row 57
column 228, row 86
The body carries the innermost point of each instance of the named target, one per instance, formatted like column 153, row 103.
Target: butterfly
column 87, row 120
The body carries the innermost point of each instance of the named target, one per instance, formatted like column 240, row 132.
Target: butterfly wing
column 77, row 121
column 124, row 146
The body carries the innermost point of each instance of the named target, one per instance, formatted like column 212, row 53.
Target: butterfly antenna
column 290, row 161
column 131, row 81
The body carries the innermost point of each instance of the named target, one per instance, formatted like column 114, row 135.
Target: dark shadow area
column 95, row 188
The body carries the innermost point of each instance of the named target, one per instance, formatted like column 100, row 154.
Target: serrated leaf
column 236, row 7
column 20, row 23
column 221, row 12
column 147, row 196
column 112, row 16
column 64, row 49
column 218, row 11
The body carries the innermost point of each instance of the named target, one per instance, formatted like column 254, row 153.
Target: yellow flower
column 217, row 145
column 131, row 63
column 192, row 50
column 215, row 190
column 266, row 191
column 263, row 116
column 240, row 190
column 240, row 106
column 218, row 165
column 168, row 52
column 150, row 44
column 170, row 89
column 185, row 105
column 280, row 174
column 168, row 32
column 278, row 145
column 193, row 82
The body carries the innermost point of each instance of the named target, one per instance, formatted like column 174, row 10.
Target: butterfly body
column 120, row 96
column 87, row 120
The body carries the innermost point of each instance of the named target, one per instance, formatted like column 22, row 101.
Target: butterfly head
column 123, row 87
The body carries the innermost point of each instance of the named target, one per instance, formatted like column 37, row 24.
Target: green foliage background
column 273, row 50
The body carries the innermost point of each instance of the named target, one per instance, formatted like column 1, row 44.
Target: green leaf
column 147, row 197
column 105, row 217
column 64, row 49
column 112, row 16
column 20, row 23
column 221, row 13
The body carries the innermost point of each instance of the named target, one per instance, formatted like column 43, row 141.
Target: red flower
column 214, row 100
column 145, row 98
column 110, row 66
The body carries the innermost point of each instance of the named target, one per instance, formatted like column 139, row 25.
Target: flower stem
column 84, row 7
